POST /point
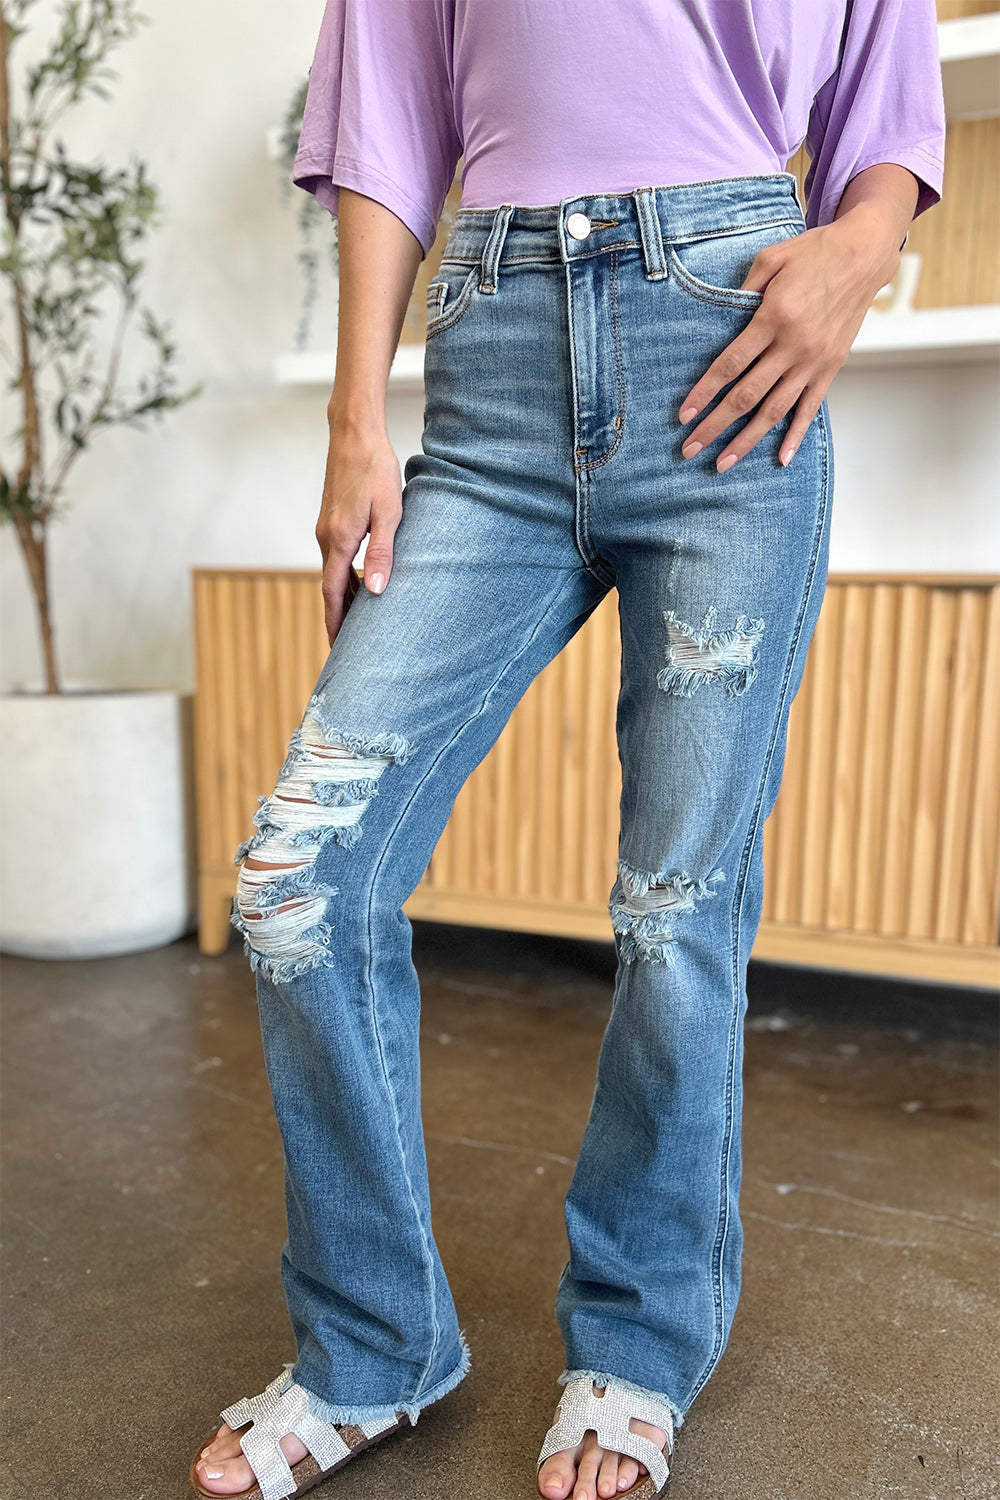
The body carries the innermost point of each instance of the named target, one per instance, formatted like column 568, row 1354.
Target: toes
column 586, row 1479
column 607, row 1476
column 628, row 1473
column 224, row 1478
column 224, row 1445
column 556, row 1476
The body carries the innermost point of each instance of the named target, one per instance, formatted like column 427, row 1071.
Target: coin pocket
column 450, row 294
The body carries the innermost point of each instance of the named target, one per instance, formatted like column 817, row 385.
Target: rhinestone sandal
column 608, row 1415
column 280, row 1409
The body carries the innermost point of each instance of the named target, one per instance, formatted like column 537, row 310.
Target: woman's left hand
column 817, row 289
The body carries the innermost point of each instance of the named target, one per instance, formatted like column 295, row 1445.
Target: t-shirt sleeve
column 379, row 114
column 883, row 103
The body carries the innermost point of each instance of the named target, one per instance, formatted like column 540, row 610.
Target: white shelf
column 405, row 374
column 970, row 64
column 927, row 336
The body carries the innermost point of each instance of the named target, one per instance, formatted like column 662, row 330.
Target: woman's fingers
column 757, row 386
column 809, row 404
column 378, row 553
column 728, row 365
column 780, row 400
column 336, row 570
column 361, row 493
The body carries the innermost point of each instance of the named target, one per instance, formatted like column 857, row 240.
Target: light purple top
column 546, row 99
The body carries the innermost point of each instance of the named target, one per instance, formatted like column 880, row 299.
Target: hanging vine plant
column 317, row 228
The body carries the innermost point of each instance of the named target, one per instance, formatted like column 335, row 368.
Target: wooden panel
column 886, row 829
column 951, row 10
column 958, row 237
column 887, row 820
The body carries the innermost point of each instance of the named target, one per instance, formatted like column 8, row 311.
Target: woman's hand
column 817, row 288
column 363, row 490
column 362, row 493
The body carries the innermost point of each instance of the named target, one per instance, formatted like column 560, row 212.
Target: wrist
column 354, row 417
column 874, row 232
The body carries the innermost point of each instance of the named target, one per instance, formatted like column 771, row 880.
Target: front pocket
column 450, row 294
column 714, row 267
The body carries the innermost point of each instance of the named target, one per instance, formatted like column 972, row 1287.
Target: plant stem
column 32, row 545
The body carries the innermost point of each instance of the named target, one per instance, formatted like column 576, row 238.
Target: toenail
column 213, row 1473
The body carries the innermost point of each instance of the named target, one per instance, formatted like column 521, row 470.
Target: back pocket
column 714, row 267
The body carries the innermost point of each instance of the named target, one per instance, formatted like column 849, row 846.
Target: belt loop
column 493, row 246
column 650, row 233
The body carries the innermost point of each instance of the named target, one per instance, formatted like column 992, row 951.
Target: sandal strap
column 282, row 1408
column 609, row 1416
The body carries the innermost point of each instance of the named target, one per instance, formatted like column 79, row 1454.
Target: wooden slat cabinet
column 882, row 854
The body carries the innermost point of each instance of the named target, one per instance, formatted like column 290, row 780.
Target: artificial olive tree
column 72, row 233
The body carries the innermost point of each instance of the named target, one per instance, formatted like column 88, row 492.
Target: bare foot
column 589, row 1472
column 222, row 1467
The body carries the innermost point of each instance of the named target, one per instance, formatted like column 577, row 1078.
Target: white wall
column 235, row 477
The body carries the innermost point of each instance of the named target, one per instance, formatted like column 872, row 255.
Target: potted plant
column 97, row 851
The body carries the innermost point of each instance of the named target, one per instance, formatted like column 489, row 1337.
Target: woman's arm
column 379, row 258
column 884, row 198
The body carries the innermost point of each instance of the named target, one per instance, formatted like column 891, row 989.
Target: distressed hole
column 644, row 907
column 695, row 656
column 323, row 788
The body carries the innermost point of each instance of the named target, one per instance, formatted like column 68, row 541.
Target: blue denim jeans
column 550, row 472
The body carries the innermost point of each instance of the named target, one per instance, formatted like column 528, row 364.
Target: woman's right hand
column 362, row 494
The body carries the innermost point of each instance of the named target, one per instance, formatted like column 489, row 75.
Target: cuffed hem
column 326, row 1411
column 603, row 1378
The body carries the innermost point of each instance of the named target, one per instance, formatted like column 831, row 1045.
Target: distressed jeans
column 561, row 340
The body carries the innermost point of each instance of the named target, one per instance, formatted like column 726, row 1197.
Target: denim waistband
column 644, row 218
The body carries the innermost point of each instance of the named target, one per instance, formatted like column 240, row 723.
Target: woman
column 625, row 387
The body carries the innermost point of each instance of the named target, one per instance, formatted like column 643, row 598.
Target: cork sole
column 307, row 1472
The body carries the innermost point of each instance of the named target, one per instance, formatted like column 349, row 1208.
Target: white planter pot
column 98, row 847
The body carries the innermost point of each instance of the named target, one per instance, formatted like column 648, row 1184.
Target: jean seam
column 620, row 387
column 421, row 781
column 736, row 908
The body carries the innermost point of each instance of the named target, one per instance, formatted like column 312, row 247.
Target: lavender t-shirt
column 544, row 99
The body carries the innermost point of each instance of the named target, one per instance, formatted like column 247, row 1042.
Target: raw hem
column 602, row 1377
column 326, row 1411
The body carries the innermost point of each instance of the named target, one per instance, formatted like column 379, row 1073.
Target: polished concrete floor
column 144, row 1219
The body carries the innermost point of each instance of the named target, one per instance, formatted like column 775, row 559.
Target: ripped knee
column 326, row 782
column 645, row 907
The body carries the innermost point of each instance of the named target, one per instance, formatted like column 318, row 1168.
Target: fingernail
column 690, row 449
column 727, row 462
column 788, row 455
column 376, row 583
column 688, row 413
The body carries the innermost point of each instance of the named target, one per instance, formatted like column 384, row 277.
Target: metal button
column 578, row 226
